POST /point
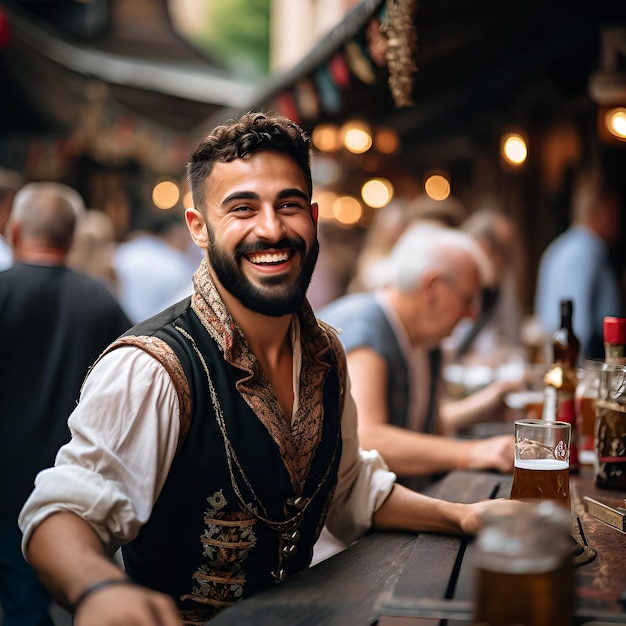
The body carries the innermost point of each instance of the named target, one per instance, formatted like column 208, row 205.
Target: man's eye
column 290, row 206
column 241, row 209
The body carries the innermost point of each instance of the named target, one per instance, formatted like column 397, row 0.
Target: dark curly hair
column 251, row 133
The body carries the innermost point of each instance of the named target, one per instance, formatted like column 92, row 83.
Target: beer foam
column 545, row 465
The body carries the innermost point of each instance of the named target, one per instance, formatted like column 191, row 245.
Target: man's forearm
column 408, row 453
column 405, row 509
column 68, row 557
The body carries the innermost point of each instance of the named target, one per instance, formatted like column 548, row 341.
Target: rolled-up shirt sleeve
column 124, row 436
column 364, row 481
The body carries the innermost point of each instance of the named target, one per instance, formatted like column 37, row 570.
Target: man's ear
column 197, row 228
column 13, row 233
column 428, row 284
column 315, row 211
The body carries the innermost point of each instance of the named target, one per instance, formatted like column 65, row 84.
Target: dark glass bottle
column 561, row 379
column 610, row 428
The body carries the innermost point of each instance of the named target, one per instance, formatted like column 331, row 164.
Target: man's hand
column 127, row 605
column 493, row 453
column 472, row 519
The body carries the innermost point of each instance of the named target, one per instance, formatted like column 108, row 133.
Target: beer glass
column 541, row 469
column 524, row 573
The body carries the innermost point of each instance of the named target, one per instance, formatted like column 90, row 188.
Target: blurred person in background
column 500, row 318
column 154, row 265
column 54, row 322
column 432, row 279
column 93, row 248
column 576, row 265
column 10, row 182
column 391, row 221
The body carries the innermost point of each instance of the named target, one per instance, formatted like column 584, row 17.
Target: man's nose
column 269, row 225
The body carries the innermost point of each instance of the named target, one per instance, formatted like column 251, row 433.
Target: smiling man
column 214, row 440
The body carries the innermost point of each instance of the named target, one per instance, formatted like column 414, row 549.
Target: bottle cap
column 615, row 330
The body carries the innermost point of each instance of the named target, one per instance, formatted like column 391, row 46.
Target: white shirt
column 124, row 436
column 6, row 254
column 151, row 274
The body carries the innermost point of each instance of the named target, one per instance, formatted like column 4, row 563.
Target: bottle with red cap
column 610, row 428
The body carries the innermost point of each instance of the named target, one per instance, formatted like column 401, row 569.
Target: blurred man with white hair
column 432, row 279
column 54, row 323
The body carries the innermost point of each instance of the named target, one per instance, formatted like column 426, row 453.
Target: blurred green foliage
column 238, row 33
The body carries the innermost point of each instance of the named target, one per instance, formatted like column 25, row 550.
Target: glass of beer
column 541, row 469
column 524, row 573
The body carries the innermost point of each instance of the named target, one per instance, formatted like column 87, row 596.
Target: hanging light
column 325, row 138
column 386, row 141
column 437, row 186
column 356, row 137
column 347, row 210
column 325, row 201
column 615, row 121
column 377, row 192
column 514, row 149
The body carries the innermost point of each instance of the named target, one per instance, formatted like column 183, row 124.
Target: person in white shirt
column 153, row 266
column 10, row 182
column 214, row 441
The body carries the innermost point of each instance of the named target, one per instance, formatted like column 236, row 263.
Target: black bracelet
column 101, row 584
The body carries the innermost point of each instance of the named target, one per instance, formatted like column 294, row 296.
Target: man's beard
column 273, row 299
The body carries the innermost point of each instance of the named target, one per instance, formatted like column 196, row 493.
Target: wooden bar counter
column 397, row 579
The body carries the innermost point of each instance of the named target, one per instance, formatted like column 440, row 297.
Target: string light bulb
column 514, row 149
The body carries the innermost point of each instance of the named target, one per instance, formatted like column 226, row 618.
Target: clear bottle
column 561, row 379
column 587, row 392
column 524, row 571
column 610, row 428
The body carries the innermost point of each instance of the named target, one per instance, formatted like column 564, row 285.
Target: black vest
column 227, row 523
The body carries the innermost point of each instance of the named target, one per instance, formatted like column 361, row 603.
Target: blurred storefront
column 431, row 87
column 106, row 96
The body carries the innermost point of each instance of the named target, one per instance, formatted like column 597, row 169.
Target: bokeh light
column 325, row 201
column 615, row 120
column 514, row 149
column 347, row 210
column 437, row 186
column 377, row 192
column 386, row 141
column 165, row 194
column 356, row 137
column 325, row 137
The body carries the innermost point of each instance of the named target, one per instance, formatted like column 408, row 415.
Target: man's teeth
column 274, row 257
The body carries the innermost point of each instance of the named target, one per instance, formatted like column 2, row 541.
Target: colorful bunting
column 328, row 91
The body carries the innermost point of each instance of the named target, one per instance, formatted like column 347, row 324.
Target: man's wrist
column 462, row 461
column 98, row 586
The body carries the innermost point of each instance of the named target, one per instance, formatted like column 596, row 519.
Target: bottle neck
column 566, row 321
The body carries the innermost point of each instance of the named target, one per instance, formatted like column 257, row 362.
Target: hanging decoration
column 328, row 90
column 399, row 28
column 360, row 62
column 339, row 71
column 387, row 41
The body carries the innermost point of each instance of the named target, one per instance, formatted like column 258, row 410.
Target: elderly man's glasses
column 472, row 300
